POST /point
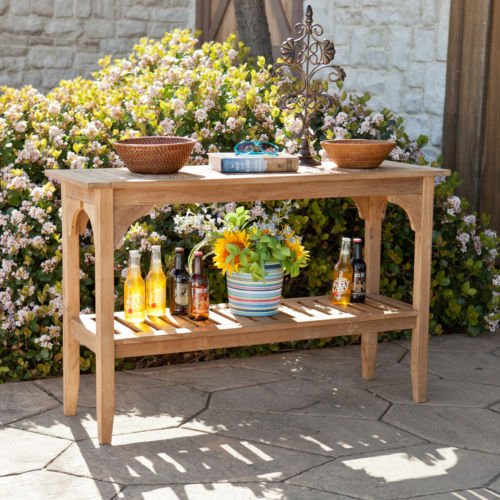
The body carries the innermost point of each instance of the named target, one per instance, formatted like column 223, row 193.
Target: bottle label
column 340, row 286
column 135, row 303
column 359, row 283
column 199, row 299
column 157, row 297
column 181, row 295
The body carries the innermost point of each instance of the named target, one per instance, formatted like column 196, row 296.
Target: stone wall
column 396, row 50
column 43, row 41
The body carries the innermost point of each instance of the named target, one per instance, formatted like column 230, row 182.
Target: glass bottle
column 358, row 292
column 156, row 285
column 134, row 290
column 198, row 290
column 342, row 276
column 178, row 285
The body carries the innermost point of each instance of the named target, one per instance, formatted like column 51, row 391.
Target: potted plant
column 255, row 254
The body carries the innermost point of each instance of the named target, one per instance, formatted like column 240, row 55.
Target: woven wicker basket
column 155, row 155
column 357, row 153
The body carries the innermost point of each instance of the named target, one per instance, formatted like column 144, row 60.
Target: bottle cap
column 357, row 240
column 179, row 250
column 346, row 239
column 198, row 254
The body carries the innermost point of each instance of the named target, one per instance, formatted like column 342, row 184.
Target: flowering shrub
column 218, row 96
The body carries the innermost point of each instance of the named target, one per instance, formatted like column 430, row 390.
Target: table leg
column 421, row 292
column 71, row 300
column 372, row 209
column 104, row 302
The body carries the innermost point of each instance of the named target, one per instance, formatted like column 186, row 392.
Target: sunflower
column 237, row 238
column 293, row 243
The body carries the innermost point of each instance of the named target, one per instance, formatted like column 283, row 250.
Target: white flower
column 54, row 108
column 491, row 321
column 21, row 126
column 463, row 239
column 339, row 132
column 48, row 228
column 476, row 242
column 179, row 107
column 44, row 341
column 341, row 118
column 453, row 203
column 328, row 122
column 231, row 123
column 167, row 126
column 470, row 219
column 200, row 115
column 208, row 104
column 294, row 125
column 377, row 118
column 76, row 161
column 366, row 128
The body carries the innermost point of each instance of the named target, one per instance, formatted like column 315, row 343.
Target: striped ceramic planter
column 255, row 298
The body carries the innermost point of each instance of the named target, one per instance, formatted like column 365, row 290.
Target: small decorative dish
column 357, row 153
column 155, row 154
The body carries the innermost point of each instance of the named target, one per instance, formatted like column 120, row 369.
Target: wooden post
column 104, row 308
column 372, row 209
column 71, row 300
column 421, row 292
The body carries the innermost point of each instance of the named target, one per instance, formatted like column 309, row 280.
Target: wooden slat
column 224, row 310
column 308, row 306
column 222, row 322
column 390, row 301
column 84, row 331
column 334, row 311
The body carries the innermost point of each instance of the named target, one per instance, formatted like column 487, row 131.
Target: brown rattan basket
column 357, row 153
column 155, row 154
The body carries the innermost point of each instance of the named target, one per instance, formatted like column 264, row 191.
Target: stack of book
column 231, row 163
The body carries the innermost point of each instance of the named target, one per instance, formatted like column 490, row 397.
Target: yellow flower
column 237, row 238
column 293, row 243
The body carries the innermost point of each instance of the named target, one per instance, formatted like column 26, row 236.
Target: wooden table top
column 198, row 176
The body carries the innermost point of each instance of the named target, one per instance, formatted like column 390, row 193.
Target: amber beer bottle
column 342, row 276
column 134, row 291
column 156, row 285
column 198, row 290
column 178, row 285
column 358, row 292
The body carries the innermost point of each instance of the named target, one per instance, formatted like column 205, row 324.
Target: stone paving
column 300, row 425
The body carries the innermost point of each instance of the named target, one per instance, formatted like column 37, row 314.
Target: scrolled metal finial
column 305, row 56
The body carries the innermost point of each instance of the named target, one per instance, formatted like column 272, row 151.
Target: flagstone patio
column 301, row 425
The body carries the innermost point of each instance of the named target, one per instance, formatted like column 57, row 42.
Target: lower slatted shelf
column 298, row 319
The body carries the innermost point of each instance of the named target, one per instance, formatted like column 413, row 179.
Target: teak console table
column 115, row 198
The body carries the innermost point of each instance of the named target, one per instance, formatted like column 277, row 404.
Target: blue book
column 231, row 163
